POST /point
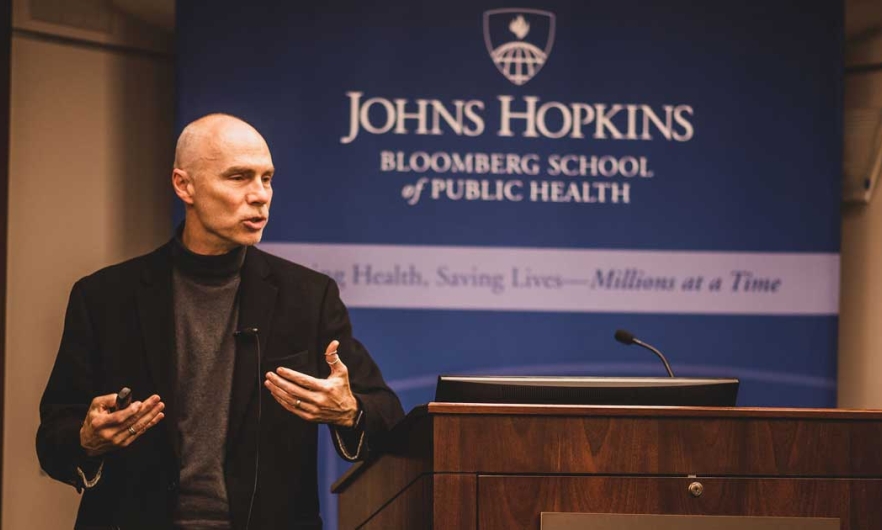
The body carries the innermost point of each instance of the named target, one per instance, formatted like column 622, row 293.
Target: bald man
column 234, row 357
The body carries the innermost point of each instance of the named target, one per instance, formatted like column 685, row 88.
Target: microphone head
column 625, row 337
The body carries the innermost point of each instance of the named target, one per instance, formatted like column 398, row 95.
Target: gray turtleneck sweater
column 206, row 312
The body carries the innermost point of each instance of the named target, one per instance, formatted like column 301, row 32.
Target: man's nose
column 258, row 192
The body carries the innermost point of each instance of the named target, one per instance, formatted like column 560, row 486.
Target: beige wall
column 90, row 154
column 860, row 313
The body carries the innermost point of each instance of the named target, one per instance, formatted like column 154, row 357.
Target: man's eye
column 267, row 180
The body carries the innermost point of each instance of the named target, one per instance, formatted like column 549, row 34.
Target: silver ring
column 133, row 432
column 337, row 360
column 297, row 404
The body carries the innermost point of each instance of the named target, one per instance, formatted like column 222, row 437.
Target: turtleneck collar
column 206, row 267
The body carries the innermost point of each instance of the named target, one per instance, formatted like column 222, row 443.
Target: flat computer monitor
column 578, row 390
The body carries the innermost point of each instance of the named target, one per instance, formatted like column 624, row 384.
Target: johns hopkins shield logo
column 519, row 41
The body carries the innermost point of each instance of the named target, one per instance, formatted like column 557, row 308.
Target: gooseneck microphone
column 627, row 338
column 254, row 333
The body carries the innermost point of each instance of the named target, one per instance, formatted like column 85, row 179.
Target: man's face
column 230, row 191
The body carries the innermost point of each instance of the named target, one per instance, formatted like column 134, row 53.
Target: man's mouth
column 255, row 223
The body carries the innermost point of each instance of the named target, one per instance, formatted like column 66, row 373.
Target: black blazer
column 119, row 331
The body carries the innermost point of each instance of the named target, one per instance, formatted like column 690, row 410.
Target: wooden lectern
column 482, row 467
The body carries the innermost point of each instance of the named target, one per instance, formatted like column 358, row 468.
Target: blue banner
column 497, row 189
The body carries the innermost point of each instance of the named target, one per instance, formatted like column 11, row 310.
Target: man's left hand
column 317, row 400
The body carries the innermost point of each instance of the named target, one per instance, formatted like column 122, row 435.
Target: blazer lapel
column 257, row 297
column 156, row 314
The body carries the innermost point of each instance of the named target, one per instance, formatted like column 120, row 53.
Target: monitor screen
column 577, row 390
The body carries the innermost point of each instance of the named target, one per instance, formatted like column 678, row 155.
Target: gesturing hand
column 317, row 400
column 105, row 429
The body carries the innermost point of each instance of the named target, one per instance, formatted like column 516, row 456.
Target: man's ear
column 182, row 182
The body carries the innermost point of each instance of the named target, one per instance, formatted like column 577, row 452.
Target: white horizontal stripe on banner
column 578, row 280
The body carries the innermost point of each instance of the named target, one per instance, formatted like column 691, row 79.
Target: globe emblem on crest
column 519, row 41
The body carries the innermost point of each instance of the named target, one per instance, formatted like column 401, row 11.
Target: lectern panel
column 510, row 502
column 432, row 501
column 455, row 466
column 658, row 445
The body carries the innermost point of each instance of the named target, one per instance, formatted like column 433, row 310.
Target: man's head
column 223, row 173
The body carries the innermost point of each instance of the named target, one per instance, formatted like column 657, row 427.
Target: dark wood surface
column 509, row 502
column 432, row 501
column 410, row 509
column 460, row 465
column 857, row 425
column 409, row 459
column 454, row 501
column 663, row 445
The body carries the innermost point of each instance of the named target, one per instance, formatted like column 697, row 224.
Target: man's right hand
column 106, row 429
